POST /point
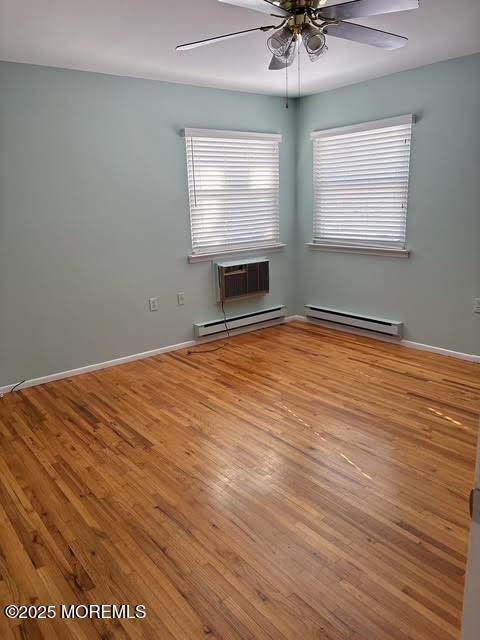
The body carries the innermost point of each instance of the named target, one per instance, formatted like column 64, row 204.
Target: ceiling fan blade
column 364, row 8
column 265, row 6
column 276, row 64
column 365, row 35
column 228, row 36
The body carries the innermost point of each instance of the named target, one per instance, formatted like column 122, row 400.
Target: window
column 361, row 178
column 233, row 181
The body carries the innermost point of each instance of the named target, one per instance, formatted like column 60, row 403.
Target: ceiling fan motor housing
column 300, row 5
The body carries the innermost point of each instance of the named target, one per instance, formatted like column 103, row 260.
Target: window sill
column 207, row 257
column 370, row 251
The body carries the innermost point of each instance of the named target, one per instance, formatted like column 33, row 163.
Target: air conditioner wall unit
column 242, row 278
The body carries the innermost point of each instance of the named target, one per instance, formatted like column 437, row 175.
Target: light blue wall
column 94, row 214
column 433, row 291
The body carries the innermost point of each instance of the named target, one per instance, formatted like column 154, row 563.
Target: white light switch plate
column 153, row 304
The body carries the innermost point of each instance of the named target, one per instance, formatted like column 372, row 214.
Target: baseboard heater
column 376, row 325
column 202, row 329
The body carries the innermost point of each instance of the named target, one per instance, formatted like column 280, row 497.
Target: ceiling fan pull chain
column 298, row 72
column 286, row 87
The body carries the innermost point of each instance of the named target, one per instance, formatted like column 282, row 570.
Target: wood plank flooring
column 300, row 483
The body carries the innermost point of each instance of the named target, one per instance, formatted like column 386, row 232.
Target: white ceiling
column 138, row 38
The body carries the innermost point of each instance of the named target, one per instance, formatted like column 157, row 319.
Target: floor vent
column 236, row 322
column 377, row 325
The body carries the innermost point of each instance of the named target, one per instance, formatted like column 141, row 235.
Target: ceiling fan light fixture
column 291, row 52
column 289, row 56
column 280, row 42
column 319, row 54
column 314, row 41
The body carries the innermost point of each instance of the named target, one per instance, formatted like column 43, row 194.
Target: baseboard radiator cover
column 202, row 329
column 367, row 323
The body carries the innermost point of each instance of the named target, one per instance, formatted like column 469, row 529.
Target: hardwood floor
column 300, row 483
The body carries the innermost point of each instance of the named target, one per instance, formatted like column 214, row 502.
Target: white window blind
column 233, row 181
column 361, row 176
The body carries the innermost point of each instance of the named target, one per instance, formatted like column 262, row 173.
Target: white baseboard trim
column 34, row 382
column 194, row 343
column 405, row 343
column 444, row 352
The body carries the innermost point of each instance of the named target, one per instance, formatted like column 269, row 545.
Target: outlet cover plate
column 153, row 304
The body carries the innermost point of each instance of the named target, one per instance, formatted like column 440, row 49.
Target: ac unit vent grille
column 244, row 279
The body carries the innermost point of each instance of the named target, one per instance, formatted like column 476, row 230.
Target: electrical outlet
column 153, row 304
column 180, row 298
column 476, row 305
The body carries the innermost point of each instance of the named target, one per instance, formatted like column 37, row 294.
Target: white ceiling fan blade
column 276, row 64
column 365, row 35
column 265, row 6
column 363, row 8
column 228, row 36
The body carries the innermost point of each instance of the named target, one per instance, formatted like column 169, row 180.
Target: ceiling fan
column 308, row 22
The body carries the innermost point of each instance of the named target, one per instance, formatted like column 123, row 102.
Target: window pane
column 234, row 192
column 361, row 186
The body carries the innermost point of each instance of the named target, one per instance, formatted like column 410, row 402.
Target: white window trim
column 233, row 135
column 364, row 126
column 236, row 135
column 365, row 250
column 318, row 245
column 208, row 257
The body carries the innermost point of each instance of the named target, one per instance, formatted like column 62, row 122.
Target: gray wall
column 433, row 291
column 94, row 214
